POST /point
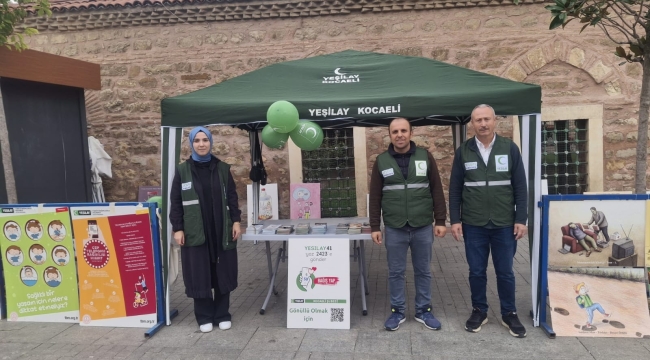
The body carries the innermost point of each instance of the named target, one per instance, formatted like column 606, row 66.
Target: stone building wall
column 142, row 64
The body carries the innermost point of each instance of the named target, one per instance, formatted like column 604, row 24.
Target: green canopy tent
column 353, row 88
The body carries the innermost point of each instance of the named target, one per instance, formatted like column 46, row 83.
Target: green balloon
column 157, row 200
column 307, row 135
column 273, row 139
column 282, row 116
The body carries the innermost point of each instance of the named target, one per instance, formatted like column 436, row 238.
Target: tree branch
column 642, row 5
column 620, row 27
column 607, row 22
column 629, row 11
column 604, row 29
column 634, row 23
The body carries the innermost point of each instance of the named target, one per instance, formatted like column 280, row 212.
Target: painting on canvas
column 597, row 233
column 599, row 302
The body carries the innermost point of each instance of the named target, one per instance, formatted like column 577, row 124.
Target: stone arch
column 602, row 71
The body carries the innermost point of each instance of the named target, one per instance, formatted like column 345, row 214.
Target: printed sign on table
column 318, row 295
column 38, row 264
column 304, row 201
column 268, row 200
column 116, row 266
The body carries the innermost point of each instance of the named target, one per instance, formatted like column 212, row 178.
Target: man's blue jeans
column 397, row 242
column 478, row 243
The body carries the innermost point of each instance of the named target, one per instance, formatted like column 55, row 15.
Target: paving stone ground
column 255, row 336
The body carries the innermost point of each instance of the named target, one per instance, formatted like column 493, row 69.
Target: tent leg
column 272, row 274
column 255, row 159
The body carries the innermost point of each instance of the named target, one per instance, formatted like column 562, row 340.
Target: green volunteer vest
column 487, row 190
column 192, row 219
column 406, row 200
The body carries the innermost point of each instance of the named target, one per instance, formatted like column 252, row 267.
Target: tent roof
column 353, row 88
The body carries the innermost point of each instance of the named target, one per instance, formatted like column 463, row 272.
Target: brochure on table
column 116, row 266
column 38, row 264
column 318, row 295
column 268, row 200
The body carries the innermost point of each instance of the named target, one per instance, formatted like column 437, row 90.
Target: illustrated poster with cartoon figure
column 39, row 268
column 598, row 302
column 594, row 233
column 304, row 201
column 116, row 266
column 318, row 290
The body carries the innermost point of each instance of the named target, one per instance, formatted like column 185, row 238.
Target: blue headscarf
column 195, row 156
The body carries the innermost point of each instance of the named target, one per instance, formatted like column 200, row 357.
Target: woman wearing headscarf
column 205, row 216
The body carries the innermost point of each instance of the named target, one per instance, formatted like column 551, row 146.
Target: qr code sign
column 337, row 314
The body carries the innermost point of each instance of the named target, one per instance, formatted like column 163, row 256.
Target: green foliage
column 13, row 13
column 625, row 22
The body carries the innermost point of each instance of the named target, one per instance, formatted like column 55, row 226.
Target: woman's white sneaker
column 206, row 328
column 225, row 325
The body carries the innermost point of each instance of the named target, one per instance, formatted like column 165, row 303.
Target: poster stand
column 544, row 246
column 157, row 254
column 3, row 305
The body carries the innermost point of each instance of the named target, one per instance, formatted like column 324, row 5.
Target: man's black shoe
column 511, row 321
column 475, row 321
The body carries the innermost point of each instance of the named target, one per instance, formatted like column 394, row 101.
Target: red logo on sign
column 61, row 209
column 327, row 280
column 96, row 253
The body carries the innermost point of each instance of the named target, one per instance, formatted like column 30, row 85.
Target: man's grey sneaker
column 511, row 321
column 475, row 320
column 394, row 320
column 429, row 321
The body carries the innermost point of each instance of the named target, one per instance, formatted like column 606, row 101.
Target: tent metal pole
column 255, row 160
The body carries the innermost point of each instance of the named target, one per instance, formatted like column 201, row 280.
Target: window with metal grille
column 332, row 165
column 564, row 156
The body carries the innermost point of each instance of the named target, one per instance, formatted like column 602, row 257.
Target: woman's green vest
column 406, row 200
column 487, row 191
column 192, row 219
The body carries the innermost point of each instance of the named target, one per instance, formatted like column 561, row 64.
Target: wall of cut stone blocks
column 140, row 65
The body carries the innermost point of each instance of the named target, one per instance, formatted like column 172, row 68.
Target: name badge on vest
column 186, row 186
column 471, row 165
column 501, row 162
column 420, row 168
column 388, row 172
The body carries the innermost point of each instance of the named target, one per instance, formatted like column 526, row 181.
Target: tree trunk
column 642, row 139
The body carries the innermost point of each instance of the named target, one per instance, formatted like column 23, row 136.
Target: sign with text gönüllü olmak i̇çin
column 116, row 266
column 38, row 261
column 318, row 295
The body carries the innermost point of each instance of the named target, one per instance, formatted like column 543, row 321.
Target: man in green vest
column 488, row 206
column 405, row 185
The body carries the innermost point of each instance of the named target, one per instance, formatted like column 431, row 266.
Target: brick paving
column 256, row 336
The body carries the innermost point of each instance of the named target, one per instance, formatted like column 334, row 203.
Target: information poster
column 304, row 202
column 116, row 266
column 38, row 264
column 2, row 292
column 318, row 295
column 647, row 235
column 599, row 302
column 268, row 199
